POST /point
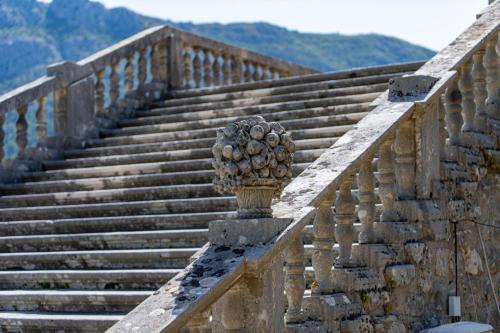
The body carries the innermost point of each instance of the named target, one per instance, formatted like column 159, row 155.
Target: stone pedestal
column 256, row 302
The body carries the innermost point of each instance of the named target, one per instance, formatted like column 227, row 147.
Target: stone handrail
column 99, row 89
column 425, row 118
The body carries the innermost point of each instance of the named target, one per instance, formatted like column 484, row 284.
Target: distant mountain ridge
column 35, row 34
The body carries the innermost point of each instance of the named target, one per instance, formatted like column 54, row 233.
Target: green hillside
column 35, row 34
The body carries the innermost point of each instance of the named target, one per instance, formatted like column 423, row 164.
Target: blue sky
column 432, row 23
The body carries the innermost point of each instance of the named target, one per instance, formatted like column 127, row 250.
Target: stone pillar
column 323, row 240
column 295, row 282
column 21, row 131
column 188, row 68
column 366, row 197
column 344, row 217
column 490, row 63
column 387, row 182
column 197, row 67
column 480, row 93
column 256, row 303
column 404, row 147
column 454, row 121
column 175, row 63
column 466, row 88
column 81, row 124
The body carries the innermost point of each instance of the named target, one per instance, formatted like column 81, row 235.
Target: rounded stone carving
column 253, row 160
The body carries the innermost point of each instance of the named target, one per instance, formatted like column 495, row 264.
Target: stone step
column 223, row 119
column 85, row 184
column 154, row 134
column 302, row 156
column 236, row 104
column 166, row 206
column 159, row 116
column 139, row 148
column 97, row 259
column 71, row 301
column 181, row 238
column 269, row 94
column 87, row 279
column 163, row 156
column 112, row 223
column 302, row 79
column 24, row 322
column 181, row 191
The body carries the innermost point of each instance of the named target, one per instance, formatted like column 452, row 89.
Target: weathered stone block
column 329, row 309
column 396, row 232
column 356, row 279
column 399, row 275
column 415, row 252
column 410, row 87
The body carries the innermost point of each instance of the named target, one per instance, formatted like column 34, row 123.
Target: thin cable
column 488, row 269
column 483, row 224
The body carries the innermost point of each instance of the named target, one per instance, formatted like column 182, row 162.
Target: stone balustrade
column 449, row 103
column 96, row 91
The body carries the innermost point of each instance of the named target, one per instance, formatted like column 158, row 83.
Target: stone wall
column 475, row 289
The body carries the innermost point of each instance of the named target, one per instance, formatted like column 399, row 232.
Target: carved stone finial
column 253, row 159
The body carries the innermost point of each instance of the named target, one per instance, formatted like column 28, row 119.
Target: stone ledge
column 240, row 232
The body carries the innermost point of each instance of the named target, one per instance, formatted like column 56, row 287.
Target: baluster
column 490, row 63
column 247, row 74
column 60, row 106
column 21, row 130
column 197, row 67
column 468, row 106
column 404, row 147
column 255, row 75
column 198, row 323
column 207, row 68
column 142, row 68
column 272, row 72
column 263, row 73
column 162, row 55
column 41, row 121
column 366, row 197
column 295, row 283
column 187, row 68
column 386, row 179
column 2, row 137
column 236, row 69
column 480, row 93
column 216, row 69
column 322, row 256
column 154, row 63
column 226, row 69
column 344, row 219
column 114, row 84
column 99, row 93
column 129, row 73
column 453, row 106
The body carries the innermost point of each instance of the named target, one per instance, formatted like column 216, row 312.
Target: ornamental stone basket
column 253, row 160
column 254, row 198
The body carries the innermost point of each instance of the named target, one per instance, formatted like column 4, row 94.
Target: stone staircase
column 92, row 235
